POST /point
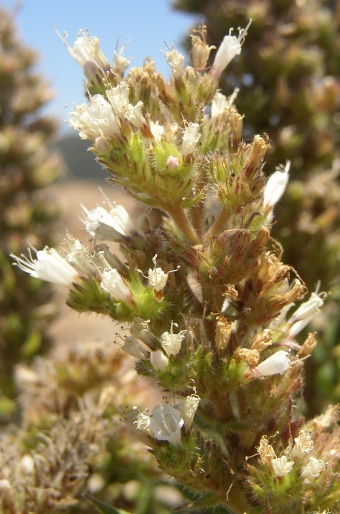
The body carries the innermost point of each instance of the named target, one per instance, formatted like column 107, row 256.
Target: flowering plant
column 201, row 285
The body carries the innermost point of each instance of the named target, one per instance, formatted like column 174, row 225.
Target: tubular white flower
column 79, row 258
column 94, row 119
column 218, row 104
column 187, row 408
column 119, row 98
column 86, row 49
column 120, row 63
column 303, row 444
column 104, row 224
column 277, row 363
column 48, row 265
column 191, row 136
column 113, row 283
column 312, row 470
column 305, row 314
column 230, row 46
column 282, row 466
column 156, row 277
column 175, row 60
column 134, row 348
column 166, row 424
column 134, row 114
column 157, row 130
column 172, row 342
column 158, row 360
column 276, row 186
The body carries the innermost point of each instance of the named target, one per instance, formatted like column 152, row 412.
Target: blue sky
column 148, row 24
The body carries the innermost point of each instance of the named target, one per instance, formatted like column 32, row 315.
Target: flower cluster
column 200, row 283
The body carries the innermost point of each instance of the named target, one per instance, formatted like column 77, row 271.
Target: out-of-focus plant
column 71, row 443
column 27, row 166
column 210, row 307
column 288, row 76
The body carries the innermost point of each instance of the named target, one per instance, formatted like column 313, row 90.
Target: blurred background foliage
column 27, row 214
column 288, row 74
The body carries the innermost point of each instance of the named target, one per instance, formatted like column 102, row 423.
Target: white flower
column 282, row 466
column 276, row 186
column 277, row 363
column 139, row 328
column 191, row 136
column 120, row 63
column 156, row 277
column 166, row 423
column 119, row 99
column 158, row 360
column 94, row 119
column 312, row 469
column 187, row 408
column 303, row 444
column 79, row 258
column 49, row 266
column 142, row 421
column 175, row 60
column 133, row 347
column 230, row 46
column 172, row 342
column 157, row 130
column 305, row 314
column 104, row 224
column 219, row 104
column 134, row 114
column 113, row 283
column 85, row 50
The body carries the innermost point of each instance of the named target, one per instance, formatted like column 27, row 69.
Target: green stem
column 219, row 223
column 181, row 220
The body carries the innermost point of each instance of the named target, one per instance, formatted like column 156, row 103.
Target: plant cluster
column 210, row 307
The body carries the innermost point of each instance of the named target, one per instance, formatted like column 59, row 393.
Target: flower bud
column 187, row 408
column 276, row 185
column 158, row 360
column 172, row 162
column 277, row 363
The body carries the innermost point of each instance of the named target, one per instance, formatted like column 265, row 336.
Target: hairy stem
column 181, row 220
column 219, row 223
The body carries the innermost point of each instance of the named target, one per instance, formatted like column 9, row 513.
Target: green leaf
column 104, row 508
